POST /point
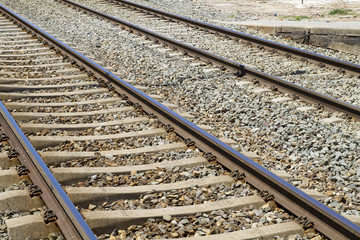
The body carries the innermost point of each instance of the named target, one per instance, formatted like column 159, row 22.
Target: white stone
column 281, row 99
column 187, row 59
column 282, row 174
column 187, row 115
column 222, row 4
column 109, row 68
column 243, row 83
column 228, row 141
column 155, row 46
column 262, row 90
column 206, row 128
column 156, row 97
column 314, row 193
column 251, row 155
column 306, row 109
column 207, row 70
column 175, row 54
column 164, row 49
column 146, row 42
column 332, row 120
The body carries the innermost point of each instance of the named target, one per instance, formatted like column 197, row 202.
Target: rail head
column 326, row 220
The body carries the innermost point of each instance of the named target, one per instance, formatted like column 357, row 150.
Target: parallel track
column 224, row 63
column 28, row 96
column 354, row 68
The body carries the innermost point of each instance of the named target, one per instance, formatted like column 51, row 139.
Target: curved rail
column 326, row 221
column 302, row 92
column 354, row 68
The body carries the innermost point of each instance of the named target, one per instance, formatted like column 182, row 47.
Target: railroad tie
column 58, row 157
column 67, row 175
column 102, row 221
column 23, row 227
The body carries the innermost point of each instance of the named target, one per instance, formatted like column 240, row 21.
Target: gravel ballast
column 339, row 85
column 318, row 156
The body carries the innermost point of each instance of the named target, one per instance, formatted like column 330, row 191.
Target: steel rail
column 354, row 68
column 301, row 92
column 70, row 222
column 326, row 220
column 197, row 52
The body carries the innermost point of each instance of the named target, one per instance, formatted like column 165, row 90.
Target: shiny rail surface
column 295, row 201
column 239, row 69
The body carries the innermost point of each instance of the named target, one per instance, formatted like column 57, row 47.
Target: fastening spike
column 137, row 106
column 34, row 190
column 22, row 170
column 13, row 153
column 49, row 216
column 3, row 137
column 306, row 224
column 210, row 157
column 169, row 128
column 267, row 196
column 151, row 115
column 189, row 142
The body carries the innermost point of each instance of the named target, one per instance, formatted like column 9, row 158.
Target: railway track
column 131, row 166
column 280, row 61
column 153, row 13
column 17, row 187
column 313, row 182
